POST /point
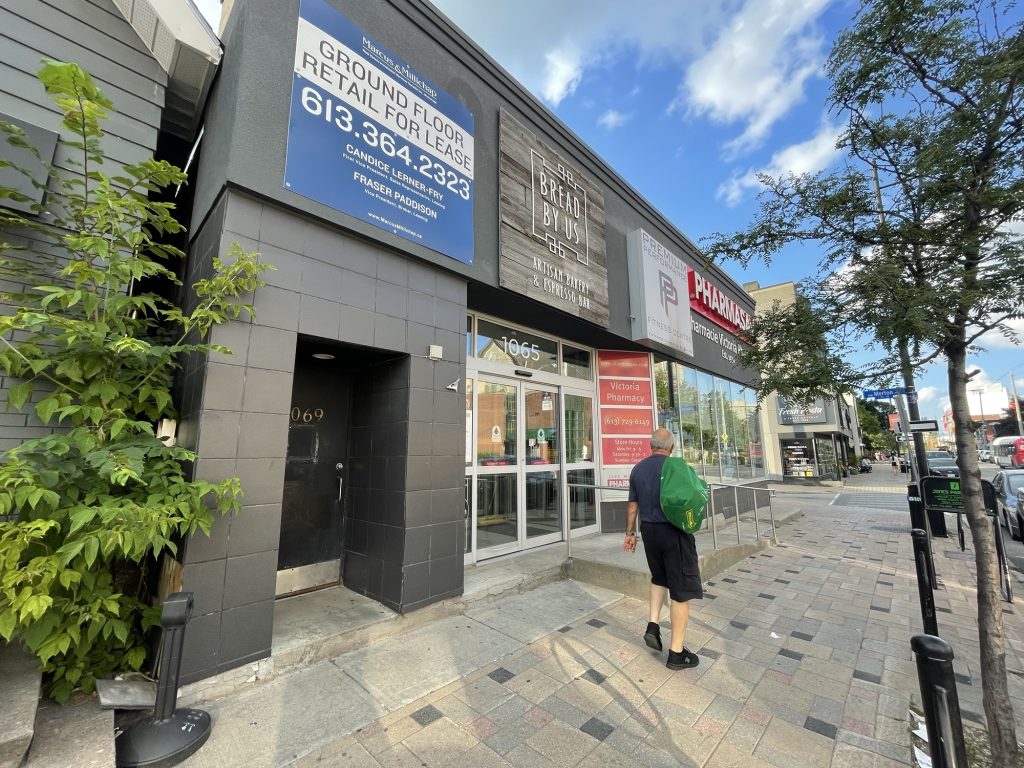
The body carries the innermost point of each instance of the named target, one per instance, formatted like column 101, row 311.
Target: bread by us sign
column 552, row 227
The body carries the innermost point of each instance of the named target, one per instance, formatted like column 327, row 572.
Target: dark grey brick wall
column 408, row 430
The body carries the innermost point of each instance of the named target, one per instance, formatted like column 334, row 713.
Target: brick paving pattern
column 805, row 663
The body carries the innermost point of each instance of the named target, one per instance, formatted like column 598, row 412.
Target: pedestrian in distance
column 895, row 463
column 671, row 553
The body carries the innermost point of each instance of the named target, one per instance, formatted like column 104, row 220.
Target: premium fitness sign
column 552, row 227
column 657, row 294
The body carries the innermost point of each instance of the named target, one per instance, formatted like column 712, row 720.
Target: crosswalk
column 876, row 500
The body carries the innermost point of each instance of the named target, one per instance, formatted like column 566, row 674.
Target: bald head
column 662, row 441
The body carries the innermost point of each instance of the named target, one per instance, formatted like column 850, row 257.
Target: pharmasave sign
column 657, row 280
column 552, row 227
column 709, row 300
column 368, row 135
column 795, row 413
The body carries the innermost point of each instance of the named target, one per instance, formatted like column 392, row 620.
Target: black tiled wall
column 407, row 518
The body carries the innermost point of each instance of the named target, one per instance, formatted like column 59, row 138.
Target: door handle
column 341, row 480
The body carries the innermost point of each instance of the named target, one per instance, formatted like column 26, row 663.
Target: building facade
column 472, row 327
column 806, row 442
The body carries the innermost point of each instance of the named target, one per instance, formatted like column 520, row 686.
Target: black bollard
column 941, row 704
column 171, row 734
column 925, row 591
column 1005, row 585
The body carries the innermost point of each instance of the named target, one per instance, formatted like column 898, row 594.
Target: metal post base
column 165, row 743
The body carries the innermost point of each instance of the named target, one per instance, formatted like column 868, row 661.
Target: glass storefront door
column 542, row 467
column 516, row 467
column 498, row 456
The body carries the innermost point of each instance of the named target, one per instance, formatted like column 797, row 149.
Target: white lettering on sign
column 360, row 84
column 730, row 347
column 553, row 280
column 710, row 301
column 559, row 209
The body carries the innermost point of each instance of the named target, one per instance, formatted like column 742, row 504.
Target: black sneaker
column 682, row 660
column 653, row 636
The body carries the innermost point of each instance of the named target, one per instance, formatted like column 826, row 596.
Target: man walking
column 671, row 553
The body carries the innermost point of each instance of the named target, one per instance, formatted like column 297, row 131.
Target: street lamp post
column 1016, row 404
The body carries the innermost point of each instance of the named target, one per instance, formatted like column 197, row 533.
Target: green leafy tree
column 874, row 425
column 920, row 253
column 86, row 509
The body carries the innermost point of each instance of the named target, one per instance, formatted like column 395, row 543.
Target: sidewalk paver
column 805, row 662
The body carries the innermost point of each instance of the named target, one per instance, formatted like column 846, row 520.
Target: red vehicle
column 1008, row 452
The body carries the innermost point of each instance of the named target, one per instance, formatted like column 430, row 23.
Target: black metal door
column 312, row 514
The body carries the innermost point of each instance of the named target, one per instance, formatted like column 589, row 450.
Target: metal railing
column 710, row 519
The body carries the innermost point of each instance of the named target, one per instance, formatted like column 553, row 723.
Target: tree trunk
column 998, row 709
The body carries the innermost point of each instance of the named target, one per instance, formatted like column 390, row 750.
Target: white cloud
column 550, row 46
column 740, row 62
column 756, row 70
column 563, row 72
column 810, row 156
column 613, row 119
column 928, row 394
column 996, row 339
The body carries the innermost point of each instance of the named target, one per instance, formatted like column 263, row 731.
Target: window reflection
column 579, row 429
column 716, row 422
column 505, row 344
column 577, row 363
column 495, row 424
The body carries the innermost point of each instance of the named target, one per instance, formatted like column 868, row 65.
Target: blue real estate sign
column 371, row 137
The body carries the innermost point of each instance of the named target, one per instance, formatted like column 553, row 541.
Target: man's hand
column 630, row 544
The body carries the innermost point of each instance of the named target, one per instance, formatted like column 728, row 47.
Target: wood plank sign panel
column 552, row 227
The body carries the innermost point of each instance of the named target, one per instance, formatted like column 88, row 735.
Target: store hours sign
column 370, row 136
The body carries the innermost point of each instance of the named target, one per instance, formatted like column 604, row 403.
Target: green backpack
column 684, row 496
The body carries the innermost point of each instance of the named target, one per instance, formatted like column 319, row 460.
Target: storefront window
column 741, row 438
column 689, row 421
column 664, row 393
column 579, row 429
column 707, row 410
column 826, row 457
column 505, row 344
column 469, row 422
column 754, row 430
column 577, row 363
column 798, row 458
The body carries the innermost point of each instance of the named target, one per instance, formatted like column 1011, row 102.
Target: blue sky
column 688, row 100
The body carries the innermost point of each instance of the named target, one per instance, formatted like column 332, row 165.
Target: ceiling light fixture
column 323, row 355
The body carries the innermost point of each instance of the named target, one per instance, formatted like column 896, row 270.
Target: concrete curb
column 634, row 583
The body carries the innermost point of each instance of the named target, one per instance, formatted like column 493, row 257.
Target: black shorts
column 672, row 558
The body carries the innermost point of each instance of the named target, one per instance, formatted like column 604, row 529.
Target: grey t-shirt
column 645, row 489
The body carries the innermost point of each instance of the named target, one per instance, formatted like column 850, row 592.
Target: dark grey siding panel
column 95, row 35
column 22, row 63
column 65, row 21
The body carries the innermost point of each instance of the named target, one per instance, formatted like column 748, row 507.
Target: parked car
column 1010, row 505
column 943, row 467
column 985, row 455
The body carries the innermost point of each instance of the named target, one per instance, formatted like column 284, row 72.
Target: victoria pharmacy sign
column 371, row 137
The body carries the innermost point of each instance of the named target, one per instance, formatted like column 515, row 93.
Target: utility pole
column 984, row 429
column 1016, row 404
